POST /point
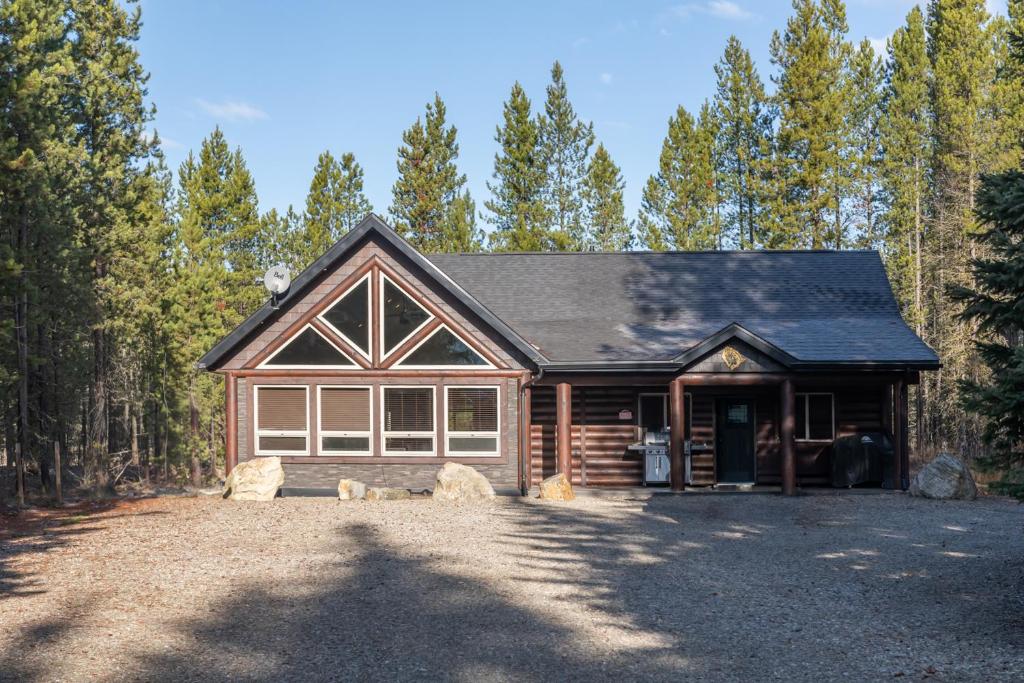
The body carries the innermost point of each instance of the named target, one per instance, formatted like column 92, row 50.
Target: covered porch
column 748, row 429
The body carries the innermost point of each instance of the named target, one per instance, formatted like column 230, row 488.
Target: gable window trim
column 321, row 432
column 385, row 433
column 258, row 432
column 687, row 398
column 449, row 434
column 322, row 316
column 266, row 364
column 400, row 363
column 379, row 327
column 806, row 436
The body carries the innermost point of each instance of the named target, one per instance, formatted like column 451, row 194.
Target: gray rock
column 256, row 479
column 350, row 489
column 456, row 483
column 944, row 478
column 378, row 493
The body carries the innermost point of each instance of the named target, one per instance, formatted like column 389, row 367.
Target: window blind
column 281, row 408
column 408, row 409
column 473, row 409
column 345, row 409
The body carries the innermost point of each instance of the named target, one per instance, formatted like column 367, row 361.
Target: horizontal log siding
column 600, row 439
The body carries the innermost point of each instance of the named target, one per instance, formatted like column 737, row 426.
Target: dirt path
column 701, row 587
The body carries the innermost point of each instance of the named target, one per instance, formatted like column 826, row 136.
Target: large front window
column 473, row 422
column 346, row 416
column 407, row 420
column 282, row 420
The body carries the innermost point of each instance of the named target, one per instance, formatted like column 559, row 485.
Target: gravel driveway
column 718, row 587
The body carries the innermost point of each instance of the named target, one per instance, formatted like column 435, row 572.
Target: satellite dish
column 277, row 280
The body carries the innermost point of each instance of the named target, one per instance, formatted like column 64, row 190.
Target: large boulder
column 350, row 489
column 456, row 483
column 557, row 487
column 256, row 479
column 387, row 494
column 944, row 478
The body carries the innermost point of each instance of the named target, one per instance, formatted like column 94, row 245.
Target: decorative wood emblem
column 732, row 358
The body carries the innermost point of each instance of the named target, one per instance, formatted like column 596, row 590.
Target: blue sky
column 286, row 80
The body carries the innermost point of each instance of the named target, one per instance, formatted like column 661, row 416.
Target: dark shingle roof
column 817, row 306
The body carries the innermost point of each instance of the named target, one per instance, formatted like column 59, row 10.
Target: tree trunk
column 21, row 323
column 197, row 473
column 100, row 434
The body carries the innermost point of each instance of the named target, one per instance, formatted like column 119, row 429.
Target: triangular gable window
column 443, row 349
column 401, row 316
column 308, row 349
column 350, row 316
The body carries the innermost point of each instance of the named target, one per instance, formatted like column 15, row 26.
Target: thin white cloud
column 580, row 42
column 880, row 45
column 231, row 110
column 722, row 9
column 606, row 78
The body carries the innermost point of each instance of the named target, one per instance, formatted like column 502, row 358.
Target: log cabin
column 380, row 363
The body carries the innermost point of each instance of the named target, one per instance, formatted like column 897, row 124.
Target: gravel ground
column 718, row 587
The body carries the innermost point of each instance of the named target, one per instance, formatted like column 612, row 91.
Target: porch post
column 527, row 436
column 563, row 428
column 230, row 423
column 902, row 456
column 677, row 433
column 786, row 430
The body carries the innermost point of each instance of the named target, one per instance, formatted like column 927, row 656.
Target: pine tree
column 812, row 99
column 429, row 186
column 565, row 143
column 517, row 207
column 603, row 187
column 993, row 302
column 743, row 145
column 679, row 209
column 963, row 72
column 905, row 140
column 335, row 203
column 1005, row 115
column 863, row 149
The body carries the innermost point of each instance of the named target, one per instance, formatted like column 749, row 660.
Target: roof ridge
column 702, row 252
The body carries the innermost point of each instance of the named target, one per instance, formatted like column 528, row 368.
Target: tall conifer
column 607, row 226
column 565, row 143
column 335, row 203
column 517, row 209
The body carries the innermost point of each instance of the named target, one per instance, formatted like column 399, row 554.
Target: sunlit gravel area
column 695, row 587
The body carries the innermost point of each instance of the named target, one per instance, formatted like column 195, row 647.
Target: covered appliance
column 863, row 459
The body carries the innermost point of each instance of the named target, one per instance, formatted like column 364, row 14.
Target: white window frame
column 321, row 432
column 400, row 363
column 385, row 434
column 448, row 435
column 369, row 316
column 308, row 326
column 687, row 398
column 380, row 318
column 257, row 432
column 807, row 416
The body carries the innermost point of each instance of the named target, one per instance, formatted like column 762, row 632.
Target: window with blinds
column 345, row 415
column 472, row 420
column 282, row 420
column 407, row 420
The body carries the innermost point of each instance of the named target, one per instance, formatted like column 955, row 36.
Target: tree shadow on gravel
column 751, row 586
column 381, row 614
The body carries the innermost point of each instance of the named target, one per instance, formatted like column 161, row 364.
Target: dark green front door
column 734, row 445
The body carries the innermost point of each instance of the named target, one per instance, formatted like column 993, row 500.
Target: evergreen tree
column 426, row 196
column 904, row 130
column 463, row 233
column 994, row 303
column 335, row 203
column 286, row 239
column 963, row 72
column 743, row 145
column 603, row 187
column 863, row 149
column 565, row 143
column 517, row 207
column 812, row 99
column 678, row 208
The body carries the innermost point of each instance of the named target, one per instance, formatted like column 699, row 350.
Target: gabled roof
column 656, row 311
column 812, row 308
column 372, row 224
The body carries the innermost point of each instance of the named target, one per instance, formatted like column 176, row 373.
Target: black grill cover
column 865, row 458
